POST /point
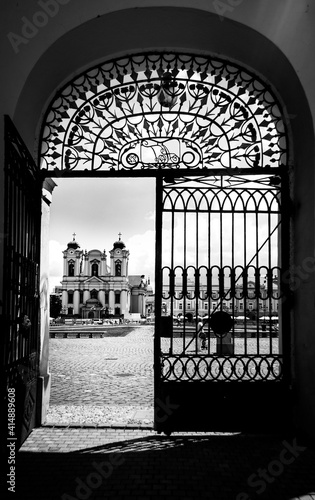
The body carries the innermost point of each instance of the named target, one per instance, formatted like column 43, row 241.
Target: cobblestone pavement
column 102, row 380
column 109, row 370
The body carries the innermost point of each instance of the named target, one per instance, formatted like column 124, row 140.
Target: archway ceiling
column 163, row 110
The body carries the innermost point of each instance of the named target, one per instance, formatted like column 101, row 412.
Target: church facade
column 96, row 286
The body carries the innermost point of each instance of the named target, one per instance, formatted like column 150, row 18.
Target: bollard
column 225, row 346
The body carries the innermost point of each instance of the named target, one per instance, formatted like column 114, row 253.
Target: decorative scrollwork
column 216, row 368
column 220, row 115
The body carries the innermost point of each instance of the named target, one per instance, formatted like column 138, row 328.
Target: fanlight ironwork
column 163, row 111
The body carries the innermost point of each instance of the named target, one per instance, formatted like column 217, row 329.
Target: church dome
column 119, row 244
column 73, row 244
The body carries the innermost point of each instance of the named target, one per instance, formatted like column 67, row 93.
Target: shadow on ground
column 188, row 467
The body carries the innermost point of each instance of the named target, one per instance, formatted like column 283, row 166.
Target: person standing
column 201, row 334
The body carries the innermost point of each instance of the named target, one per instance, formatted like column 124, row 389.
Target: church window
column 70, row 297
column 94, row 269
column 71, row 268
column 81, row 297
column 118, row 268
column 117, row 297
column 94, row 294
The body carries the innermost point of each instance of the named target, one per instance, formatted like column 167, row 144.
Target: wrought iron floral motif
column 197, row 112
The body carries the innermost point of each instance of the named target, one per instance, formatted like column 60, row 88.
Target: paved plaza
column 109, row 380
column 103, row 380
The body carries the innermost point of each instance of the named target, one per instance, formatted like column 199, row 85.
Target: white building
column 95, row 287
column 243, row 302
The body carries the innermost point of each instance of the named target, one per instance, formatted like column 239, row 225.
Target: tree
column 55, row 306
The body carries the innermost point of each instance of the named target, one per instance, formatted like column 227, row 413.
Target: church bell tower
column 71, row 259
column 119, row 286
column 119, row 257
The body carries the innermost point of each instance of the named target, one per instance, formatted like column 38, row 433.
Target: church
column 94, row 287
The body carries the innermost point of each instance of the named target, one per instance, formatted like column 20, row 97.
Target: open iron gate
column 221, row 251
column 214, row 136
column 20, row 332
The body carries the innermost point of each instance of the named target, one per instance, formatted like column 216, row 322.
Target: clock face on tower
column 71, row 252
column 118, row 252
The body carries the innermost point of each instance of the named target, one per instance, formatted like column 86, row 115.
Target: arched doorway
column 252, row 41
column 213, row 136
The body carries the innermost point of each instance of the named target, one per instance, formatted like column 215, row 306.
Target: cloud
column 55, row 263
column 142, row 254
column 150, row 215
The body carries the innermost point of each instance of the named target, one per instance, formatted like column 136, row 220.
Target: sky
column 97, row 210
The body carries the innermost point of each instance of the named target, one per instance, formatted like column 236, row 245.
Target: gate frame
column 20, row 342
column 183, row 405
column 159, row 172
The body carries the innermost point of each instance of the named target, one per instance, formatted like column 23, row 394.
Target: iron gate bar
column 157, row 366
column 205, row 173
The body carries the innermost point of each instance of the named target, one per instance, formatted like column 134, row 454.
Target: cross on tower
column 119, row 235
column 74, row 235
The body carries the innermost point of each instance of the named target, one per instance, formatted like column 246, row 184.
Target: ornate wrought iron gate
column 214, row 137
column 20, row 333
column 222, row 330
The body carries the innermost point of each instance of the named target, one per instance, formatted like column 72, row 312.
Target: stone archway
column 202, row 32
